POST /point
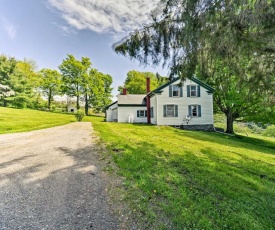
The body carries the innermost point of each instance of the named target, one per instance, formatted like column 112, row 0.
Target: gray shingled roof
column 131, row 99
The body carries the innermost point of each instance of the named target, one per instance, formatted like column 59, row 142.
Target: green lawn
column 18, row 120
column 177, row 179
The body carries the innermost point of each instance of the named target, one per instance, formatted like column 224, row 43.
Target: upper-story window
column 176, row 91
column 193, row 91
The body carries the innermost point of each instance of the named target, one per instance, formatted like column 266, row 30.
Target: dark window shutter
column 164, row 111
column 170, row 90
column 189, row 110
column 145, row 112
column 199, row 91
column 181, row 91
column 188, row 91
column 138, row 113
column 199, row 108
column 176, row 111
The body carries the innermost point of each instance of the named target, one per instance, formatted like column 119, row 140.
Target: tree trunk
column 86, row 105
column 229, row 122
column 5, row 103
column 77, row 103
column 49, row 99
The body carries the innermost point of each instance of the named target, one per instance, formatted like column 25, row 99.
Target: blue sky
column 47, row 30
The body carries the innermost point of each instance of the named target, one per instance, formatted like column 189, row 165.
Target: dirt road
column 49, row 179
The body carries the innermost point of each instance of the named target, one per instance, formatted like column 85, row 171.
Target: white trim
column 175, row 91
column 174, row 110
column 197, row 110
column 191, row 90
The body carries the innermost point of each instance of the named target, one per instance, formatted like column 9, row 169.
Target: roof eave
column 110, row 105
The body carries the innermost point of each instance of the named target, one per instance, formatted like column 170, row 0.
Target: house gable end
column 159, row 90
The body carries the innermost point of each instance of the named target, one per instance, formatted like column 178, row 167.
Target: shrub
column 270, row 131
column 79, row 115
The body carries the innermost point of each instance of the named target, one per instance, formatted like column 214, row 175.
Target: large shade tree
column 24, row 81
column 7, row 70
column 73, row 74
column 19, row 81
column 201, row 36
column 80, row 79
column 49, row 83
column 100, row 90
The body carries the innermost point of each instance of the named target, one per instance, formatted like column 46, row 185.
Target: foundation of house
column 209, row 128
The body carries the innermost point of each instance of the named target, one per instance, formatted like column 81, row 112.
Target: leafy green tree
column 50, row 82
column 97, row 90
column 135, row 82
column 7, row 69
column 80, row 79
column 103, row 92
column 73, row 72
column 233, row 97
column 203, row 36
column 24, row 82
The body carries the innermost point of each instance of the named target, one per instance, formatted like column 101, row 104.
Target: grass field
column 177, row 179
column 18, row 120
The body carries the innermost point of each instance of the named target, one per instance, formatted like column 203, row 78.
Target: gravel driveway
column 49, row 179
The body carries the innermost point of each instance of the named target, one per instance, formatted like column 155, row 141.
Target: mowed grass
column 18, row 120
column 176, row 179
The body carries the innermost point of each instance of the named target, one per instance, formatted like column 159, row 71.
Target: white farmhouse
column 188, row 105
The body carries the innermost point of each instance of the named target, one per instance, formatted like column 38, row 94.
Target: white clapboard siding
column 125, row 112
column 111, row 113
column 153, row 102
column 205, row 100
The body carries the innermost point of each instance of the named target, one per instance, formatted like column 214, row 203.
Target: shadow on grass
column 193, row 186
column 238, row 141
column 177, row 190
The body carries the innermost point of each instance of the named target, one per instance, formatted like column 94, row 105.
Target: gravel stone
column 51, row 179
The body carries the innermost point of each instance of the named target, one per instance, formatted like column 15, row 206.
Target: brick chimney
column 148, row 100
column 148, row 85
column 124, row 92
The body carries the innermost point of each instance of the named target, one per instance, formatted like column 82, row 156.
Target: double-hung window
column 193, row 91
column 176, row 91
column 141, row 113
column 170, row 111
column 194, row 110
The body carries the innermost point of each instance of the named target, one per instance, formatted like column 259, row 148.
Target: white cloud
column 105, row 16
column 9, row 28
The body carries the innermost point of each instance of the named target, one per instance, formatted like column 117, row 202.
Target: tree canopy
column 79, row 78
column 73, row 72
column 22, row 86
column 135, row 82
column 50, row 83
column 228, row 43
column 19, row 80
